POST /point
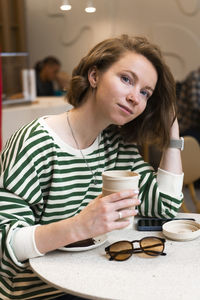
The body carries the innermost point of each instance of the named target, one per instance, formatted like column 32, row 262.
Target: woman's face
column 123, row 90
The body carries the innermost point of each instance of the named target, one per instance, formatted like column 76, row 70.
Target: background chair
column 191, row 168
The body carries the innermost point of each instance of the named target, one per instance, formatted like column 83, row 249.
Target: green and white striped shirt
column 43, row 180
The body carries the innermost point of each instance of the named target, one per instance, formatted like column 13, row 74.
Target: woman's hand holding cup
column 114, row 209
column 102, row 215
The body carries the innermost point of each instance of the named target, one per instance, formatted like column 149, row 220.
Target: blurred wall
column 173, row 24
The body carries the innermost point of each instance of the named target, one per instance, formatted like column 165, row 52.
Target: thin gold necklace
column 77, row 145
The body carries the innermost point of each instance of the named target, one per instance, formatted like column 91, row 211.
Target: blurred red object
column 1, row 90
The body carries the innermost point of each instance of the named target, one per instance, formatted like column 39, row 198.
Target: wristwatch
column 179, row 144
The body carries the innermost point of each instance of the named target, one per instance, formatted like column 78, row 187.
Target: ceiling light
column 65, row 5
column 90, row 7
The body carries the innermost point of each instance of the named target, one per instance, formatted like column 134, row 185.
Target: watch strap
column 179, row 144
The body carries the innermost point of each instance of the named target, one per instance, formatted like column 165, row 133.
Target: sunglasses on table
column 122, row 250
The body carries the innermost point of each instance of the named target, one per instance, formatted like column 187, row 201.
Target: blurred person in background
column 46, row 75
column 188, row 103
column 62, row 83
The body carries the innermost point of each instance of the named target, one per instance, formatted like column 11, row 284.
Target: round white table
column 91, row 275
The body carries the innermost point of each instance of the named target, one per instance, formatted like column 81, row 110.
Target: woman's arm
column 161, row 192
column 171, row 158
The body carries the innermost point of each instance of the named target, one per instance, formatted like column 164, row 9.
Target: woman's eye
column 145, row 93
column 126, row 79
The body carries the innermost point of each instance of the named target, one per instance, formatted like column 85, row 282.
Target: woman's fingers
column 121, row 200
column 124, row 220
column 126, row 203
column 120, row 195
column 125, row 213
column 103, row 213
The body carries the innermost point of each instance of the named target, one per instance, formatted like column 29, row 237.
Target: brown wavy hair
column 153, row 125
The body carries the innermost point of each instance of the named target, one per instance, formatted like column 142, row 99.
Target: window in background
column 17, row 81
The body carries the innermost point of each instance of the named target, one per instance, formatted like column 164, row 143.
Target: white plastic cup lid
column 181, row 230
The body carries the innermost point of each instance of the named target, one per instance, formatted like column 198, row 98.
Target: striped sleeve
column 19, row 188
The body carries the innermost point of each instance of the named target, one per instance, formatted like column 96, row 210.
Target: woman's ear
column 93, row 76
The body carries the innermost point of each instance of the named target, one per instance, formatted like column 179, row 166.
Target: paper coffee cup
column 115, row 181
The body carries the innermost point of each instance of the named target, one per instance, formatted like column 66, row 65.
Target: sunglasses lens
column 121, row 250
column 152, row 246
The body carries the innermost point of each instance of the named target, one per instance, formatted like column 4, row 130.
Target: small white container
column 29, row 84
column 181, row 230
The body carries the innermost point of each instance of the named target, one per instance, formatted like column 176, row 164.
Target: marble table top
column 91, row 275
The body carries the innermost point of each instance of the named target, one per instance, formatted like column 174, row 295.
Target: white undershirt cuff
column 23, row 243
column 170, row 183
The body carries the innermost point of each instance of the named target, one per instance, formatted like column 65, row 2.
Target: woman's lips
column 126, row 109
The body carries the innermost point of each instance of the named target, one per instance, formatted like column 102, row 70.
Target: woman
column 123, row 95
